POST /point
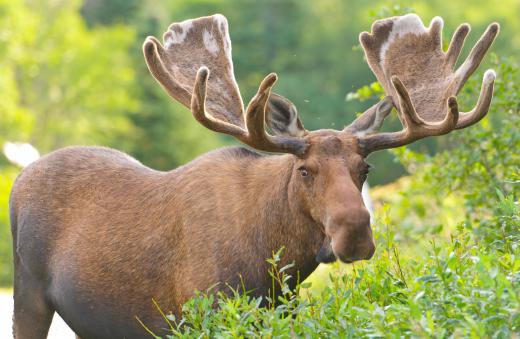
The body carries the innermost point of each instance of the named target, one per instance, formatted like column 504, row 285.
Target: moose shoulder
column 97, row 235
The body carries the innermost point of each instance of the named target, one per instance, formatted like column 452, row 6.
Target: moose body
column 98, row 236
column 111, row 234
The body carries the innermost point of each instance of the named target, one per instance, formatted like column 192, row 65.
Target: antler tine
column 155, row 56
column 407, row 113
column 456, row 44
column 372, row 119
column 435, row 28
column 255, row 113
column 414, row 127
column 418, row 128
column 483, row 103
column 198, row 108
column 255, row 135
column 477, row 54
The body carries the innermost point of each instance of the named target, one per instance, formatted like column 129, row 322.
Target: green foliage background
column 72, row 72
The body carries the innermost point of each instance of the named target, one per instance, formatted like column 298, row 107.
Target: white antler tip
column 219, row 18
column 402, row 25
column 409, row 23
column 437, row 21
column 489, row 76
column 177, row 33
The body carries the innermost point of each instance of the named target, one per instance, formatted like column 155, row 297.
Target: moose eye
column 303, row 171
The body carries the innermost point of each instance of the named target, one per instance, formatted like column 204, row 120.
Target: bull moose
column 97, row 235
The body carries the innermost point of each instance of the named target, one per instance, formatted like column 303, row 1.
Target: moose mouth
column 325, row 254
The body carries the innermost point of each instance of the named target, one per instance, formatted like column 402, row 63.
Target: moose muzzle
column 351, row 235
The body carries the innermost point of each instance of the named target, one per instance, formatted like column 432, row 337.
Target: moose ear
column 371, row 121
column 282, row 117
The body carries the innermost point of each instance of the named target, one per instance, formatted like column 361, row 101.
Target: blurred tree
column 62, row 83
column 109, row 12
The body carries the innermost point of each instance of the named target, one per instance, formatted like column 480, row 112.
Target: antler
column 255, row 134
column 408, row 60
column 191, row 49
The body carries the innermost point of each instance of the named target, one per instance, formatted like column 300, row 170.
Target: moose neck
column 254, row 211
column 280, row 221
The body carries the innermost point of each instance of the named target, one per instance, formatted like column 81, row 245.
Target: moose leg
column 32, row 313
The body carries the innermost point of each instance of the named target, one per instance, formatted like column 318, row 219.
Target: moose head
column 194, row 66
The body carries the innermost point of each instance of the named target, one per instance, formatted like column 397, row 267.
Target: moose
column 97, row 235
